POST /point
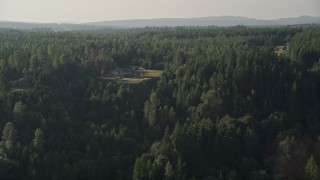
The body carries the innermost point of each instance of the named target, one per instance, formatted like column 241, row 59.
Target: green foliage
column 304, row 47
column 38, row 140
column 168, row 171
column 312, row 169
column 225, row 106
column 9, row 139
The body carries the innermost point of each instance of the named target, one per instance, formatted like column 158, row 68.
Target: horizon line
column 156, row 18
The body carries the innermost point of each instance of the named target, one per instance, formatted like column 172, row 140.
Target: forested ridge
column 231, row 103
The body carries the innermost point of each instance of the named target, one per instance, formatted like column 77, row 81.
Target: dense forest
column 231, row 103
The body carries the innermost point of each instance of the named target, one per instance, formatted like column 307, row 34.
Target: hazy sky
column 99, row 10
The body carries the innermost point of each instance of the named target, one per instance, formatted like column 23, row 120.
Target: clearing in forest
column 132, row 76
column 280, row 50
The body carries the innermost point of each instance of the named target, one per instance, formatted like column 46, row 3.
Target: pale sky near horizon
column 100, row 10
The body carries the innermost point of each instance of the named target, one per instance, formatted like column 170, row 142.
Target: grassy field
column 133, row 80
column 148, row 73
column 141, row 76
column 19, row 89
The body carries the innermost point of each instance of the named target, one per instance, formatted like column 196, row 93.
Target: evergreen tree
column 9, row 140
column 312, row 171
column 169, row 171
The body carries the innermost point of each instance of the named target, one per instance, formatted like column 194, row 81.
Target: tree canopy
column 226, row 106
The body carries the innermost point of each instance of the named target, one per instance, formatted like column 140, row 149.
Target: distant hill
column 299, row 20
column 49, row 26
column 202, row 21
column 209, row 21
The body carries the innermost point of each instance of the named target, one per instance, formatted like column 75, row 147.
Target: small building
column 122, row 73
